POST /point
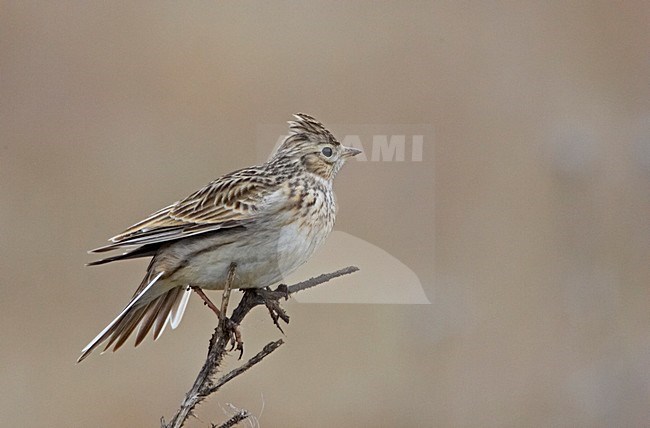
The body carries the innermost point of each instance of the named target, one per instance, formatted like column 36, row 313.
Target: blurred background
column 533, row 190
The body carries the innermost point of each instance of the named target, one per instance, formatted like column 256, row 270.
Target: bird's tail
column 143, row 312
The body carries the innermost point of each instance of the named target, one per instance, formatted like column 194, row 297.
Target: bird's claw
column 271, row 300
column 235, row 340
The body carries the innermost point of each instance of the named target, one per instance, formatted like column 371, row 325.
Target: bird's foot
column 236, row 343
column 271, row 299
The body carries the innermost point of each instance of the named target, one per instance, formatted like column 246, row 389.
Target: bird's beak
column 348, row 152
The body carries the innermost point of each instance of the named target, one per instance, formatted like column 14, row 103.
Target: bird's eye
column 327, row 151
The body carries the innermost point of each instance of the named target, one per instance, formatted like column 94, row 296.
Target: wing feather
column 230, row 201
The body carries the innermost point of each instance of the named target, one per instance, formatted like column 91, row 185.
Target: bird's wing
column 230, row 201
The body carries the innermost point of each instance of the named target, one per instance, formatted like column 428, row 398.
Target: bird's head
column 310, row 143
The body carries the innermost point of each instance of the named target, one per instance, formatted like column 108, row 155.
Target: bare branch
column 234, row 420
column 317, row 280
column 203, row 384
column 241, row 369
column 253, row 298
column 226, row 291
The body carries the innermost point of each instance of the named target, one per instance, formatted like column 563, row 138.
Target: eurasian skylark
column 268, row 219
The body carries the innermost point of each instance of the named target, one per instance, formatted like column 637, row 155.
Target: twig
column 234, row 420
column 203, row 384
column 270, row 347
column 254, row 298
column 317, row 280
column 226, row 291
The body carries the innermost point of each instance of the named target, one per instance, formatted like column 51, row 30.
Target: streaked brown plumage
column 268, row 219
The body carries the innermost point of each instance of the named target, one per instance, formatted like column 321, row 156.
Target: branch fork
column 227, row 332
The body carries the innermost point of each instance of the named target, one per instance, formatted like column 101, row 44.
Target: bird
column 267, row 220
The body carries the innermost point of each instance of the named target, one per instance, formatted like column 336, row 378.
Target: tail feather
column 156, row 313
column 176, row 313
column 148, row 319
column 124, row 329
column 166, row 315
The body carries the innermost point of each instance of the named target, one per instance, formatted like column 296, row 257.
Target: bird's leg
column 236, row 342
column 206, row 301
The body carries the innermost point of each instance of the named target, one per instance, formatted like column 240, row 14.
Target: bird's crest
column 305, row 125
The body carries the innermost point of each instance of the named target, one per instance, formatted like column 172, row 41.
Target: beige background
column 540, row 293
